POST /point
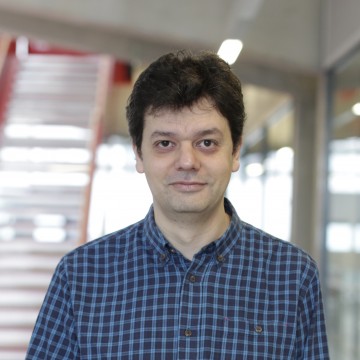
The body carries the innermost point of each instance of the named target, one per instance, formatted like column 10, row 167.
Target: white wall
column 287, row 33
column 341, row 29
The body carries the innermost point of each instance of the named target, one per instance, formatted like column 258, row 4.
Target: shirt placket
column 190, row 312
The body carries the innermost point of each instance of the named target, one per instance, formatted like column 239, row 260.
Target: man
column 191, row 280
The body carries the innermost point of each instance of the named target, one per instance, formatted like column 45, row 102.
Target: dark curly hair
column 178, row 80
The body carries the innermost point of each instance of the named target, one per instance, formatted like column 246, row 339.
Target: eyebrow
column 158, row 133
column 200, row 133
column 212, row 131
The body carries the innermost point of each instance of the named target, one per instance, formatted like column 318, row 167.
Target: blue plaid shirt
column 130, row 295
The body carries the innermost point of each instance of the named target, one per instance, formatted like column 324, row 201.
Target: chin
column 188, row 207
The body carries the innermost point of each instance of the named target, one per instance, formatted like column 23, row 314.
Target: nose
column 187, row 158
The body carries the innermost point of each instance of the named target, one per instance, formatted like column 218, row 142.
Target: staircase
column 47, row 147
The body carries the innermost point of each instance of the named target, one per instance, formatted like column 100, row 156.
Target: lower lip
column 183, row 187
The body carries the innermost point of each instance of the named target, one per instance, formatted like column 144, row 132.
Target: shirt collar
column 221, row 247
column 153, row 236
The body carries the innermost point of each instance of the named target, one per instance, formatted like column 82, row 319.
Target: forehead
column 199, row 115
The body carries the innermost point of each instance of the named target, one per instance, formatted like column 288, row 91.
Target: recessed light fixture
column 230, row 50
column 356, row 109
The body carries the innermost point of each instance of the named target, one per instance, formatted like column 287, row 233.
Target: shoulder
column 279, row 256
column 106, row 249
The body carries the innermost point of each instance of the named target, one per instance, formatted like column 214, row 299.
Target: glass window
column 343, row 218
column 261, row 190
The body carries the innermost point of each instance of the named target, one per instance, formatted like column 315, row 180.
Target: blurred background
column 67, row 171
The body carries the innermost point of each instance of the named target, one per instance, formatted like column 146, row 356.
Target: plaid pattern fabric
column 130, row 295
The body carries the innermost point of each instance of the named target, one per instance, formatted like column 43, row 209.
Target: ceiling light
column 230, row 50
column 356, row 109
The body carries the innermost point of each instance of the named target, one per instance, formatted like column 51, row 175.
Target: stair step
column 9, row 190
column 21, row 298
column 43, row 167
column 41, row 235
column 26, row 179
column 74, row 105
column 49, row 131
column 40, row 155
column 55, row 84
column 29, row 213
column 79, row 73
column 13, row 213
column 18, row 318
column 9, row 212
column 14, row 338
column 30, row 224
column 58, row 66
column 24, row 280
column 23, row 262
column 45, row 143
column 52, row 205
column 24, row 247
column 50, row 61
column 39, row 198
column 16, row 116
column 31, row 108
column 8, row 354
column 58, row 73
column 45, row 189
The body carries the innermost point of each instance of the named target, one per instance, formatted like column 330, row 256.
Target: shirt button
column 162, row 257
column 187, row 332
column 258, row 329
column 220, row 258
column 192, row 278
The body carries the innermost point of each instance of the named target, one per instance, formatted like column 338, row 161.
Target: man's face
column 187, row 157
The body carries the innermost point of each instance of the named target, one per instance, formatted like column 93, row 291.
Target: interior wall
column 341, row 29
column 286, row 30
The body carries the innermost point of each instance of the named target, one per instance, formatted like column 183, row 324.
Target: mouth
column 187, row 186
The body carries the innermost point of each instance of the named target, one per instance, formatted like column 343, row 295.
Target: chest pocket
column 245, row 339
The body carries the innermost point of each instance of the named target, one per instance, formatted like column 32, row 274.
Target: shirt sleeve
column 311, row 331
column 54, row 335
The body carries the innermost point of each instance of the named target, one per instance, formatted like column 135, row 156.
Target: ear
column 139, row 166
column 236, row 159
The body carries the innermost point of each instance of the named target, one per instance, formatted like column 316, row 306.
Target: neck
column 189, row 233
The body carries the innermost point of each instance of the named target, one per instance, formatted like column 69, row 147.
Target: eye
column 207, row 143
column 164, row 143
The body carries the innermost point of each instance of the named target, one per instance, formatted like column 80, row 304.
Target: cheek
column 153, row 168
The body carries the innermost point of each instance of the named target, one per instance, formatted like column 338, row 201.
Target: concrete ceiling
column 140, row 30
